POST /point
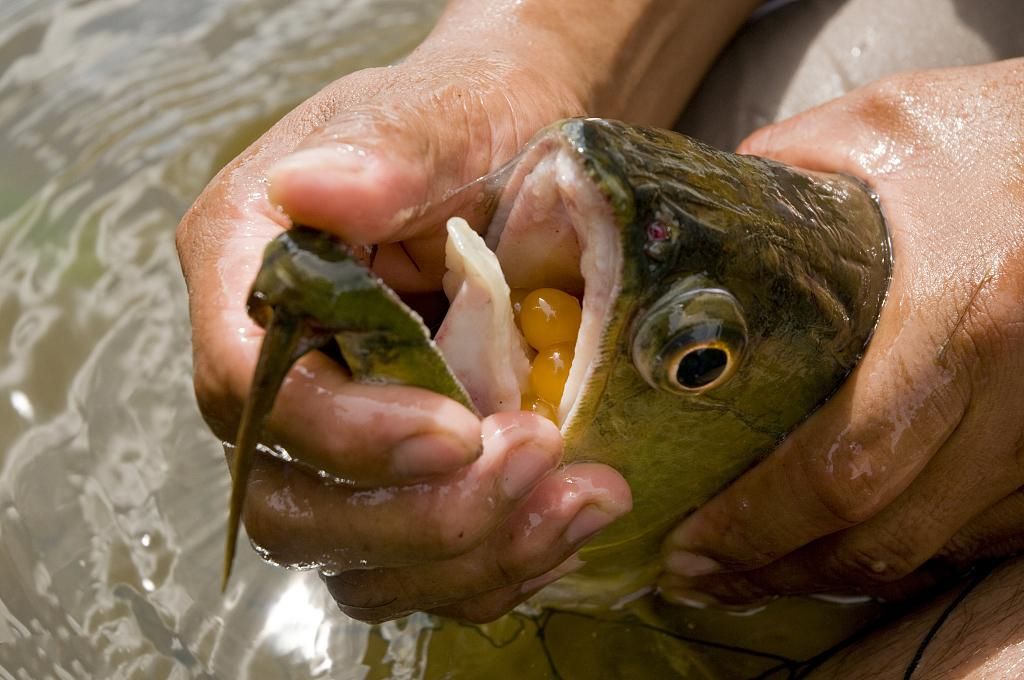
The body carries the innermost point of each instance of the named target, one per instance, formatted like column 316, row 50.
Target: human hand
column 445, row 511
column 914, row 467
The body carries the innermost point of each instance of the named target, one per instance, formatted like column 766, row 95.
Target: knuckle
column 848, row 496
column 985, row 334
column 887, row 107
column 750, row 548
column 378, row 593
column 271, row 541
column 454, row 535
column 358, row 589
column 220, row 408
column 507, row 569
column 961, row 549
column 884, row 558
column 281, row 538
column 888, row 97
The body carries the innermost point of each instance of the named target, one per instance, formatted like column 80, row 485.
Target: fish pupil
column 701, row 367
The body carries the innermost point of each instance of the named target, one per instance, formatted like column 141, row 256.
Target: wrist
column 637, row 60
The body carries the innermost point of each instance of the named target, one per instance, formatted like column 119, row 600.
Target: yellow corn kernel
column 549, row 317
column 533, row 404
column 550, row 370
column 516, row 296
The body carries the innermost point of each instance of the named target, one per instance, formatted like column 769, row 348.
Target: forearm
column 633, row 59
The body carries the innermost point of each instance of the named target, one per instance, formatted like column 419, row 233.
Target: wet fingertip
column 603, row 485
column 690, row 564
column 572, row 564
column 318, row 185
column 753, row 143
column 314, row 161
column 589, row 521
column 686, row 597
column 684, row 536
column 428, row 455
column 698, row 599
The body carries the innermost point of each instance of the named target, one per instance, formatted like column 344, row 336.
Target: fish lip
column 594, row 218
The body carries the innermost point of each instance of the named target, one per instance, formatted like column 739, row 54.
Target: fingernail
column 572, row 564
column 587, row 522
column 426, row 455
column 689, row 598
column 526, row 466
column 336, row 158
column 690, row 564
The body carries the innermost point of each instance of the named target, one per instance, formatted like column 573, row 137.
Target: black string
column 980, row 574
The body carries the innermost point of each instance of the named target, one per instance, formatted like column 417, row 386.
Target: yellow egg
column 516, row 296
column 550, row 370
column 533, row 404
column 549, row 317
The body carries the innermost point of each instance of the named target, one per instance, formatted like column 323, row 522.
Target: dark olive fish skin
column 784, row 272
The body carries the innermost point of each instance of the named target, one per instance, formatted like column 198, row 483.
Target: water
column 113, row 116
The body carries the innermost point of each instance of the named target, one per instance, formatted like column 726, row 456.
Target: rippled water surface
column 113, row 116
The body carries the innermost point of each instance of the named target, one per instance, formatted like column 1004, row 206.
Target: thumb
column 382, row 174
column 823, row 139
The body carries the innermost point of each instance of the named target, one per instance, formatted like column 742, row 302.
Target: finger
column 495, row 604
column 564, row 511
column 320, row 416
column 798, row 140
column 859, row 134
column 367, row 434
column 297, row 518
column 998, row 531
column 386, row 172
column 370, row 434
column 895, row 543
column 364, row 171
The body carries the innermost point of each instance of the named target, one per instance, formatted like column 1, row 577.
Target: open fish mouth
column 553, row 227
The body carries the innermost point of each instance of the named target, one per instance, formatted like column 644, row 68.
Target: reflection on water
column 113, row 116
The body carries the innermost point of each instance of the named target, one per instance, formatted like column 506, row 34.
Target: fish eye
column 700, row 366
column 691, row 340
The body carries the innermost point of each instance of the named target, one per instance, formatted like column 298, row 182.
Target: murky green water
column 113, row 116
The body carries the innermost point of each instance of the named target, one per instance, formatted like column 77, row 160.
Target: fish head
column 724, row 298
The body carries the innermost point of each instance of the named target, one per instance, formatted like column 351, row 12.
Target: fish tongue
column 478, row 338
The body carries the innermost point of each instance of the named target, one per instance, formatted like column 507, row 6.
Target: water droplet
column 22, row 405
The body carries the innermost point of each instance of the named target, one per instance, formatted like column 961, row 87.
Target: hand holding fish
column 913, row 469
column 431, row 518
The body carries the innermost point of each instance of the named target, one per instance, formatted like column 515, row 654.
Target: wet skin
column 913, row 469
column 389, row 114
column 687, row 253
column 371, row 158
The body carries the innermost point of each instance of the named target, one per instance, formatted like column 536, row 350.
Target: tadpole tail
column 282, row 346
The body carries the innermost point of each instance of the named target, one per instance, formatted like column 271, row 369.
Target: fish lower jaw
column 555, row 229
